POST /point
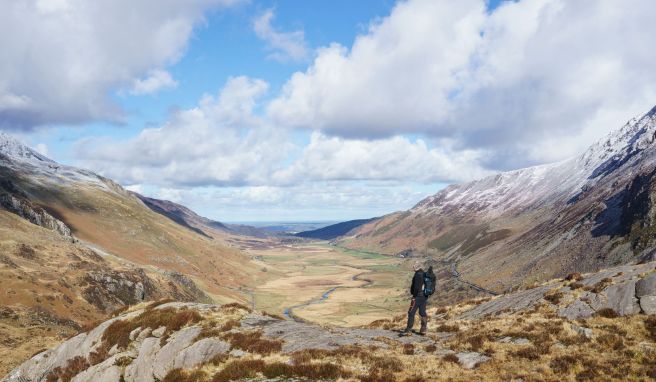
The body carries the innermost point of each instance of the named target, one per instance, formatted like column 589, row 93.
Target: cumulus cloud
column 532, row 81
column 285, row 46
column 219, row 142
column 222, row 142
column 156, row 80
column 62, row 58
column 396, row 158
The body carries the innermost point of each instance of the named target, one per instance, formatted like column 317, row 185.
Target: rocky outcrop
column 624, row 290
column 35, row 215
column 149, row 357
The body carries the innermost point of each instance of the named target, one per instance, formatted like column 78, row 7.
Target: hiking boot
column 406, row 332
column 424, row 326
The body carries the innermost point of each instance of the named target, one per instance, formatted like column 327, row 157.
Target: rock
column 200, row 352
column 165, row 358
column 158, row 332
column 575, row 310
column 141, row 369
column 621, row 297
column 134, row 334
column 237, row 353
column 515, row 341
column 105, row 371
column 648, row 304
column 143, row 334
column 587, row 332
column 517, row 301
column 646, row 286
column 470, row 360
column 114, row 350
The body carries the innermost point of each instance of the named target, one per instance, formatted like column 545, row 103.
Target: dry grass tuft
column 601, row 285
column 451, row 358
column 253, row 342
column 74, row 367
column 272, row 315
column 448, row 328
column 430, row 348
column 554, row 297
column 562, row 364
column 531, row 353
column 650, row 325
column 123, row 361
column 235, row 306
column 239, row 369
column 408, row 349
column 574, row 286
column 576, row 276
column 181, row 375
column 607, row 313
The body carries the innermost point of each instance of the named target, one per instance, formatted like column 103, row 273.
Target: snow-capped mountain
column 579, row 214
column 15, row 150
column 514, row 191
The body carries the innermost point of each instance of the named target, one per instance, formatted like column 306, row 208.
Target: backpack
column 430, row 281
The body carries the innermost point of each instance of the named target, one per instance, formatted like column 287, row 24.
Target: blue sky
column 323, row 110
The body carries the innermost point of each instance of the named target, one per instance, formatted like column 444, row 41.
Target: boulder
column 200, row 352
column 586, row 332
column 648, row 304
column 105, row 371
column 575, row 310
column 646, row 286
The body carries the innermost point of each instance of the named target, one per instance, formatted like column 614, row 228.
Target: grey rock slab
column 237, row 353
column 165, row 358
column 470, row 360
column 646, row 286
column 514, row 302
column 575, row 310
column 619, row 297
column 648, row 304
column 105, row 371
column 200, row 352
column 141, row 369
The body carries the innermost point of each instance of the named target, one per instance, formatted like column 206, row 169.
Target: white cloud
column 285, row 45
column 156, row 80
column 219, row 142
column 392, row 159
column 533, row 81
column 62, row 58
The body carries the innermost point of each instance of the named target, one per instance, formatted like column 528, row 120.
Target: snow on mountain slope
column 514, row 191
column 18, row 157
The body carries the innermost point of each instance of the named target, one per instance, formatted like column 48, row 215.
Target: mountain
column 532, row 224
column 584, row 327
column 333, row 231
column 75, row 246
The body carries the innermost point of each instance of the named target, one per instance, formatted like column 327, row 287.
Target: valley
column 324, row 284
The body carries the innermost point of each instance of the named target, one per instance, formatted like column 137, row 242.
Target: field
column 325, row 284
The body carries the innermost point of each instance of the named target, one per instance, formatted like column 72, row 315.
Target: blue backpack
column 430, row 281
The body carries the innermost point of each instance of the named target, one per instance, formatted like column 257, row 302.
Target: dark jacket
column 417, row 287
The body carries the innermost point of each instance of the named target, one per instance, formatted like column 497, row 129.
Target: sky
column 318, row 111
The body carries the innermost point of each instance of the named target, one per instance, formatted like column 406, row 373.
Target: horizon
column 275, row 111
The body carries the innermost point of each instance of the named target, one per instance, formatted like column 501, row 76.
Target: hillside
column 532, row 224
column 75, row 246
column 335, row 230
column 535, row 334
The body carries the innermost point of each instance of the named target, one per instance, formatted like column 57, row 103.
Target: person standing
column 423, row 285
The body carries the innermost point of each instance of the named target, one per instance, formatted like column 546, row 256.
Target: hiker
column 423, row 285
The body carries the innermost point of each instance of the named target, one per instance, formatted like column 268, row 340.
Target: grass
column 601, row 285
column 74, row 367
column 118, row 333
column 182, row 375
column 554, row 297
column 253, row 342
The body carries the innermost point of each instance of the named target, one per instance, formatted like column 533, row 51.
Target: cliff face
column 582, row 327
